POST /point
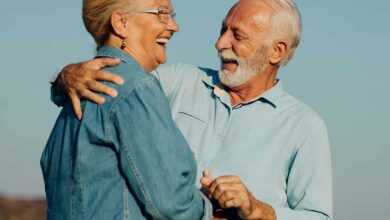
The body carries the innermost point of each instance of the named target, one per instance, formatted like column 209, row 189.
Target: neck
column 133, row 52
column 253, row 88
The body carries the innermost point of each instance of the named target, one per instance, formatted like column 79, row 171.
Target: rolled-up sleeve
column 309, row 184
column 154, row 156
column 57, row 98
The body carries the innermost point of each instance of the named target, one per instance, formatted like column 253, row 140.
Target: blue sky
column 341, row 69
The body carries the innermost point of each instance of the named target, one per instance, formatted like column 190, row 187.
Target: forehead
column 249, row 15
column 154, row 4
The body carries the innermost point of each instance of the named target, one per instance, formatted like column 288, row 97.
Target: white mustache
column 228, row 55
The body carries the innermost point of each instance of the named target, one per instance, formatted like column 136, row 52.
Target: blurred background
column 341, row 69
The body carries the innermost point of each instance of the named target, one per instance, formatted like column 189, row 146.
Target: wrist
column 261, row 211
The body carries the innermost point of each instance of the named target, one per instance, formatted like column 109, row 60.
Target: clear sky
column 341, row 69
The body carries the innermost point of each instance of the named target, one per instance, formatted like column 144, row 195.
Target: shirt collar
column 274, row 94
column 113, row 52
column 271, row 96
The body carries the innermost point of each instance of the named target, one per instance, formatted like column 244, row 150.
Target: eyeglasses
column 164, row 15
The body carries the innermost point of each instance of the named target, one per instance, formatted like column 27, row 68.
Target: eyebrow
column 163, row 6
column 234, row 30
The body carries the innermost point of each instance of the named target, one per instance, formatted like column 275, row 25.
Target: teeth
column 162, row 40
column 228, row 60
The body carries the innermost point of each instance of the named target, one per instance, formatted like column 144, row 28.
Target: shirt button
column 218, row 136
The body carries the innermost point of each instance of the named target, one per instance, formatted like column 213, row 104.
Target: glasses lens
column 165, row 15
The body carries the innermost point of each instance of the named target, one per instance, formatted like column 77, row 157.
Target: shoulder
column 135, row 81
column 181, row 70
column 307, row 127
column 306, row 117
column 131, row 73
column 175, row 76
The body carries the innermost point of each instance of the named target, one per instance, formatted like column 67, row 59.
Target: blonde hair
column 97, row 17
column 285, row 24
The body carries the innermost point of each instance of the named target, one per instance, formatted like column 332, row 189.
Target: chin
column 236, row 78
column 162, row 59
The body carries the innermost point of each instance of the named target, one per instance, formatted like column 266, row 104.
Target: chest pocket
column 188, row 115
column 193, row 112
column 192, row 122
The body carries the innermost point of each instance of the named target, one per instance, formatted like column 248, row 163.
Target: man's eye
column 223, row 29
column 238, row 37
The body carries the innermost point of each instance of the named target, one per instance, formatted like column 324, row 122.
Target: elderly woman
column 125, row 159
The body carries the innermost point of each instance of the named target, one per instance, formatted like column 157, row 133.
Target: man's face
column 241, row 43
column 148, row 35
column 246, row 69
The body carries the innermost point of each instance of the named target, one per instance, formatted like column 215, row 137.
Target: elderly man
column 268, row 151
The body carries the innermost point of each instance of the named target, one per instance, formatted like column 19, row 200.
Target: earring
column 123, row 46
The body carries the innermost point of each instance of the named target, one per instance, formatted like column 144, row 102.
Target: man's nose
column 223, row 42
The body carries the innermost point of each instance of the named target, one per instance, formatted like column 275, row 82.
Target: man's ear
column 119, row 24
column 278, row 52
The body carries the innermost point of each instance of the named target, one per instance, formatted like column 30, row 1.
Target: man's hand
column 81, row 81
column 230, row 192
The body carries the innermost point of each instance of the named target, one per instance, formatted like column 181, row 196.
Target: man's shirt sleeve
column 154, row 156
column 309, row 184
column 172, row 77
column 55, row 97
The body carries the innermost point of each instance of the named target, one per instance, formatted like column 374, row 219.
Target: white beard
column 246, row 69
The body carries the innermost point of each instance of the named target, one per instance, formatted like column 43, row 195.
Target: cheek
column 243, row 50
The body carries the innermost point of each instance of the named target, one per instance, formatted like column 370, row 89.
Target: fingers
column 110, row 77
column 76, row 105
column 86, row 94
column 236, row 199
column 81, row 80
column 231, row 203
column 100, row 63
column 230, row 199
column 222, row 188
column 230, row 192
column 207, row 174
column 102, row 88
column 79, row 77
column 224, row 179
column 206, row 179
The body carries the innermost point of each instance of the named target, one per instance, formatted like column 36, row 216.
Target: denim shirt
column 125, row 159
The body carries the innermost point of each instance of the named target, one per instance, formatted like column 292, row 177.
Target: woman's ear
column 119, row 24
column 278, row 52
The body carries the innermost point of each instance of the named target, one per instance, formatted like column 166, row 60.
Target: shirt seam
column 139, row 180
column 116, row 104
column 110, row 131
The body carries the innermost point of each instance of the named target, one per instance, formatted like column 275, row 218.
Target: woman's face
column 149, row 34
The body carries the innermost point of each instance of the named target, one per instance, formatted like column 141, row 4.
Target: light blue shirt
column 276, row 144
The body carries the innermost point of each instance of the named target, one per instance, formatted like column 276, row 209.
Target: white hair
column 285, row 24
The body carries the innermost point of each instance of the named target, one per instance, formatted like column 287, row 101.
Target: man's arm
column 309, row 183
column 81, row 80
column 154, row 156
